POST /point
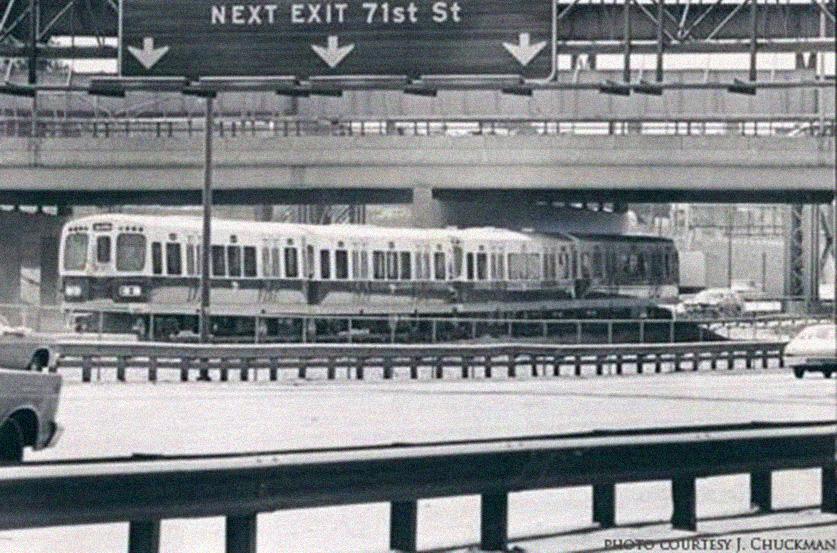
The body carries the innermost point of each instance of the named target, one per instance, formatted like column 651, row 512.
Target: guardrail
column 145, row 491
column 467, row 360
column 411, row 328
column 166, row 127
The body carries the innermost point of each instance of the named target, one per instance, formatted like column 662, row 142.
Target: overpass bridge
column 387, row 169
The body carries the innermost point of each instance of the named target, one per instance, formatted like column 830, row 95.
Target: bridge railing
column 231, row 127
column 145, row 490
column 413, row 361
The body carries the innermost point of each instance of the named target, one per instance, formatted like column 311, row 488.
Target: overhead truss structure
column 79, row 29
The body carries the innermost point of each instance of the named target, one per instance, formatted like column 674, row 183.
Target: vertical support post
column 753, row 39
column 120, row 368
column 86, row 368
column 604, row 505
column 403, row 526
column 683, row 496
column 761, row 491
column 494, row 521
column 626, row 71
column 730, row 228
column 241, row 534
column 660, row 38
column 152, row 369
column 206, row 239
column 144, row 536
column 829, row 489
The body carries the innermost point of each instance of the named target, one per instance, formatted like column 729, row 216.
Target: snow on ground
column 119, row 419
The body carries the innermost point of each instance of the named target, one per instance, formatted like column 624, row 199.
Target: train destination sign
column 352, row 38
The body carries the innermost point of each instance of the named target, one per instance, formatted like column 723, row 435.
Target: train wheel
column 11, row 443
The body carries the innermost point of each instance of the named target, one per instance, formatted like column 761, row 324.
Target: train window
column 517, row 266
column 75, row 252
column 103, row 249
column 341, row 264
column 469, row 266
column 325, row 264
column 234, row 261
column 364, row 265
column 392, row 265
column 274, row 262
column 173, row 259
column 533, row 269
column 482, row 266
column 157, row 258
column 405, row 266
column 439, row 265
column 355, row 265
column 291, row 263
column 586, row 262
column 190, row 259
column 266, row 267
column 501, row 266
column 250, row 261
column 130, row 252
column 198, row 260
column 309, row 262
column 598, row 262
column 378, row 265
column 419, row 266
column 219, row 265
column 457, row 262
column 427, row 270
column 493, row 266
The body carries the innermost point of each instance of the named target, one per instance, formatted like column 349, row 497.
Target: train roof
column 629, row 238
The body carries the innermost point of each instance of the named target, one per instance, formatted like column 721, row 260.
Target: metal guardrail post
column 241, row 534
column 829, row 489
column 144, row 536
column 604, row 505
column 403, row 526
column 761, row 491
column 683, row 496
column 494, row 515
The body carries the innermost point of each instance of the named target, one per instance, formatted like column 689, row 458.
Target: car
column 22, row 348
column 813, row 350
column 712, row 302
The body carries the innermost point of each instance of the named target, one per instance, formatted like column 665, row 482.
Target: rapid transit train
column 144, row 271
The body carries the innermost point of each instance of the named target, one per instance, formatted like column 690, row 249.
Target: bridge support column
column 427, row 212
column 241, row 534
column 403, row 526
column 144, row 536
column 494, row 520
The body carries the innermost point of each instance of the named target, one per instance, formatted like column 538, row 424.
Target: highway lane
column 118, row 419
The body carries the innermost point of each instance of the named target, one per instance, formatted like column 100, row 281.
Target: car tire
column 799, row 373
column 11, row 443
column 827, row 373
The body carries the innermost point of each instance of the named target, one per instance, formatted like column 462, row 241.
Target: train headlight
column 72, row 291
column 130, row 291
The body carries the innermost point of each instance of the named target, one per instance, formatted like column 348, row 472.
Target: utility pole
column 206, row 242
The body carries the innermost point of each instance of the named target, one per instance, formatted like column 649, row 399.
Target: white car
column 814, row 349
column 712, row 302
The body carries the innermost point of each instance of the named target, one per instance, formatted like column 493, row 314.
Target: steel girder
column 583, row 27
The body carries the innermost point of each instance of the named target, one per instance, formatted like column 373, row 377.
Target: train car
column 142, row 273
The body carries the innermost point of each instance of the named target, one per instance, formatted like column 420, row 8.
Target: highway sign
column 352, row 38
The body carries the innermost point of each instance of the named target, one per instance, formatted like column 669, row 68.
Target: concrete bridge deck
column 607, row 168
